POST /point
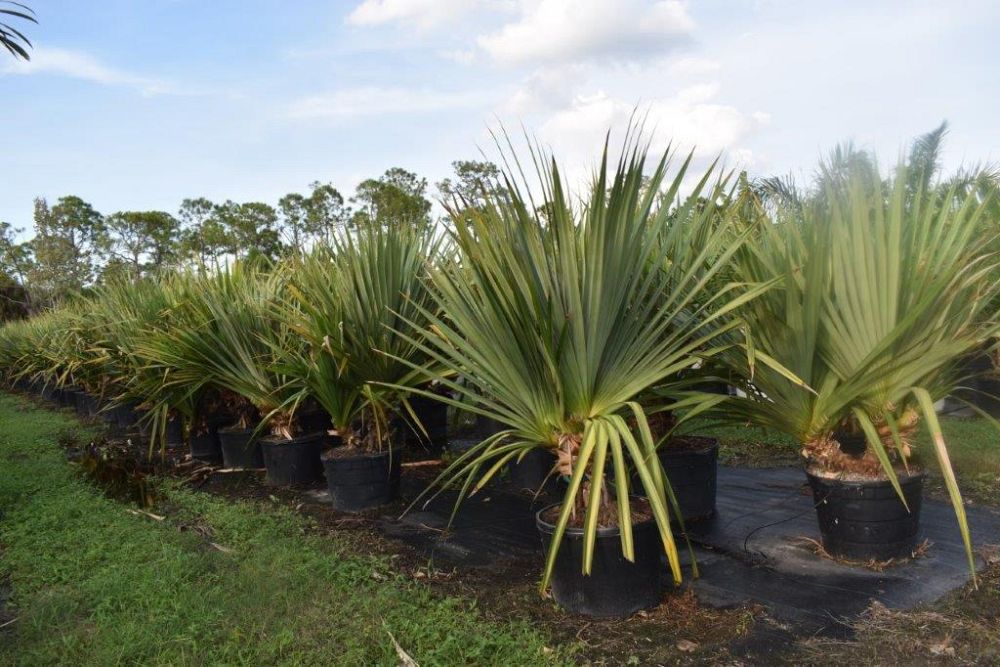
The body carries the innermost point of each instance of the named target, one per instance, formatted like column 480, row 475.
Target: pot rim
column 904, row 478
column 711, row 443
column 234, row 429
column 395, row 451
column 278, row 441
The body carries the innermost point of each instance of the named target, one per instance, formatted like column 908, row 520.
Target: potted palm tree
column 560, row 317
column 358, row 303
column 882, row 293
column 229, row 342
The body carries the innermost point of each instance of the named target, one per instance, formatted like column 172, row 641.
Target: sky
column 137, row 104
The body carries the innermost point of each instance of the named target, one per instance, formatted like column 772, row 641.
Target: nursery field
column 226, row 577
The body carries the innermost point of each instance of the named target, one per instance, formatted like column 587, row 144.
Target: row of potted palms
column 588, row 329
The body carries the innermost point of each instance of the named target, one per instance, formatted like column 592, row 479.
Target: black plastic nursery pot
column 70, row 398
column 433, row 416
column 865, row 519
column 693, row 473
column 359, row 481
column 126, row 416
column 239, row 449
column 615, row 587
column 204, row 446
column 86, row 405
column 487, row 426
column 293, row 461
column 173, row 434
column 533, row 471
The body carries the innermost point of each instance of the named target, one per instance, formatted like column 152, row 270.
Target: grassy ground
column 214, row 582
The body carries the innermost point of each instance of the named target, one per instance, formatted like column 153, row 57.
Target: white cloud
column 375, row 100
column 460, row 56
column 691, row 119
column 422, row 13
column 574, row 30
column 80, row 65
column 544, row 90
column 690, row 66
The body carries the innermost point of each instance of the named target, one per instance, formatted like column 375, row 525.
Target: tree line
column 75, row 247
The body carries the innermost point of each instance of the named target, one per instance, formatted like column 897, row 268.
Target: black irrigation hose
column 746, row 540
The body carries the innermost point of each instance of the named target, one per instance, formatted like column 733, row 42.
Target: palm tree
column 11, row 38
column 561, row 319
column 882, row 291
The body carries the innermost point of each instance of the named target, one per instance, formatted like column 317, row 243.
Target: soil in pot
column 205, row 446
column 295, row 461
column 864, row 519
column 360, row 480
column 615, row 587
column 691, row 465
column 239, row 450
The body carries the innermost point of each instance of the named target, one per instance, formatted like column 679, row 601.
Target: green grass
column 95, row 584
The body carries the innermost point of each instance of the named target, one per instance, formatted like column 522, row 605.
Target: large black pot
column 615, row 587
column 295, row 461
column 109, row 415
column 126, row 416
column 173, row 434
column 865, row 519
column 692, row 472
column 239, row 450
column 68, row 398
column 86, row 405
column 204, row 446
column 532, row 472
column 487, row 426
column 433, row 416
column 360, row 482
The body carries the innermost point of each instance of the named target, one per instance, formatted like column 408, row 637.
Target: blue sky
column 136, row 104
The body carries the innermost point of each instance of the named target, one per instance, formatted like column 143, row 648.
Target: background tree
column 65, row 247
column 251, row 229
column 15, row 262
column 11, row 38
column 294, row 229
column 15, row 258
column 326, row 211
column 472, row 180
column 395, row 199
column 306, row 219
column 142, row 241
column 202, row 236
